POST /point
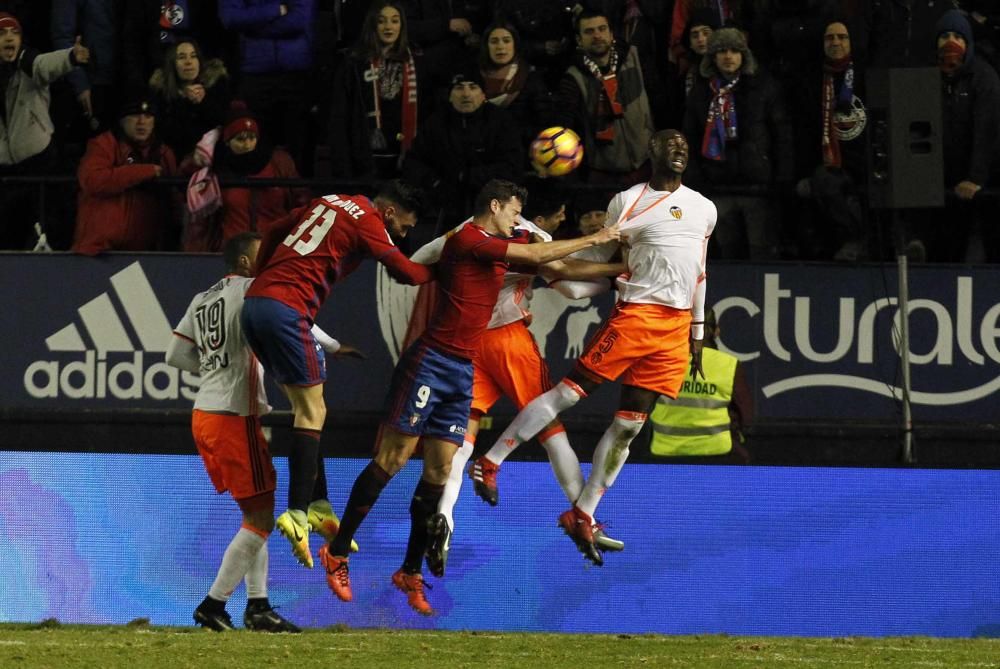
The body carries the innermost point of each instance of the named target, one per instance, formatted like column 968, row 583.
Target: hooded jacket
column 970, row 97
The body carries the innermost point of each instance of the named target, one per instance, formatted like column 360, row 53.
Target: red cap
column 9, row 21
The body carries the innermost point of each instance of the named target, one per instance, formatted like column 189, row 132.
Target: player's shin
column 454, row 485
column 565, row 464
column 367, row 488
column 302, row 459
column 423, row 505
column 609, row 458
column 236, row 562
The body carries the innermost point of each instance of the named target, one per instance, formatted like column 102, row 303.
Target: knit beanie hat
column 137, row 102
column 466, row 71
column 727, row 38
column 240, row 119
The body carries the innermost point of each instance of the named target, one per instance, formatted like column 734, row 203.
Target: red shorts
column 235, row 453
column 508, row 363
column 645, row 344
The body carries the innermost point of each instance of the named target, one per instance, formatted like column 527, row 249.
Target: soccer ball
column 557, row 151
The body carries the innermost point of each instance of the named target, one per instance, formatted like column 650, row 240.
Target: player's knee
column 258, row 513
column 391, row 459
column 627, row 425
column 568, row 393
column 437, row 473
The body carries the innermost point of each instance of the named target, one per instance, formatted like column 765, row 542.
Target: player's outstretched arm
column 538, row 254
column 571, row 268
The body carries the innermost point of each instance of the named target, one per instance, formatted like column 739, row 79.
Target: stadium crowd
column 138, row 98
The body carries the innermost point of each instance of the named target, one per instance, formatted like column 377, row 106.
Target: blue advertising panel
column 816, row 341
column 737, row 550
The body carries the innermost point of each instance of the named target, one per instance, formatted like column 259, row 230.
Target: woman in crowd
column 374, row 115
column 193, row 94
column 242, row 153
column 510, row 82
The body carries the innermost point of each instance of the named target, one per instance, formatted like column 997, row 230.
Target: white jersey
column 515, row 295
column 667, row 238
column 232, row 379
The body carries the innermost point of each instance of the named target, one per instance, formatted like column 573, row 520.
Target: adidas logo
column 112, row 366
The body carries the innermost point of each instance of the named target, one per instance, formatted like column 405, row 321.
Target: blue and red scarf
column 720, row 126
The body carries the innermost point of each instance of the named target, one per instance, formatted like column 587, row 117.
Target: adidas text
column 121, row 377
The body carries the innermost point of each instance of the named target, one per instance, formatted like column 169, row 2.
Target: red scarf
column 950, row 57
column 408, row 99
column 720, row 125
column 830, row 141
column 608, row 107
column 503, row 90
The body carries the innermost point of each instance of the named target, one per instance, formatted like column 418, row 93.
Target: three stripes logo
column 114, row 349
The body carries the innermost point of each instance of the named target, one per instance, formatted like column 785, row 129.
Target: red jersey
column 470, row 276
column 324, row 242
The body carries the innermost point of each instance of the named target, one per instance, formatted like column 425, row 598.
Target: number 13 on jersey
column 317, row 225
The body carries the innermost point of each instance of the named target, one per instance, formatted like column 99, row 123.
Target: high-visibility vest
column 697, row 422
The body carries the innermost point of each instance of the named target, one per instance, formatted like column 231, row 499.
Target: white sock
column 537, row 414
column 565, row 464
column 236, row 562
column 454, row 483
column 256, row 578
column 609, row 457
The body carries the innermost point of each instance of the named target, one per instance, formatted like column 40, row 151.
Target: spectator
column 120, row 207
column 832, row 145
column 276, row 56
column 150, row 26
column 723, row 11
column 243, row 153
column 192, row 96
column 374, row 115
column 701, row 24
column 710, row 412
column 970, row 93
column 511, row 83
column 591, row 208
column 26, row 147
column 99, row 23
column 641, row 24
column 545, row 34
column 603, row 98
column 739, row 119
column 463, row 146
column 447, row 32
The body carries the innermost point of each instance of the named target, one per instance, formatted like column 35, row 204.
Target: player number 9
column 423, row 396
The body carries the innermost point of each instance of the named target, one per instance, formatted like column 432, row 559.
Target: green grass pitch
column 140, row 646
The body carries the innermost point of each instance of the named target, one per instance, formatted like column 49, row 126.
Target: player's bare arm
column 573, row 269
column 539, row 254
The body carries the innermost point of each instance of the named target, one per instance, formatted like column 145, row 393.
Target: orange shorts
column 508, row 363
column 235, row 453
column 645, row 344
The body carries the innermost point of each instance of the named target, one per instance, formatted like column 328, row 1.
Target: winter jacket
column 98, row 23
column 352, row 118
column 270, row 42
column 27, row 128
column 971, row 120
column 117, row 209
column 456, row 154
column 181, row 123
column 763, row 152
column 577, row 103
